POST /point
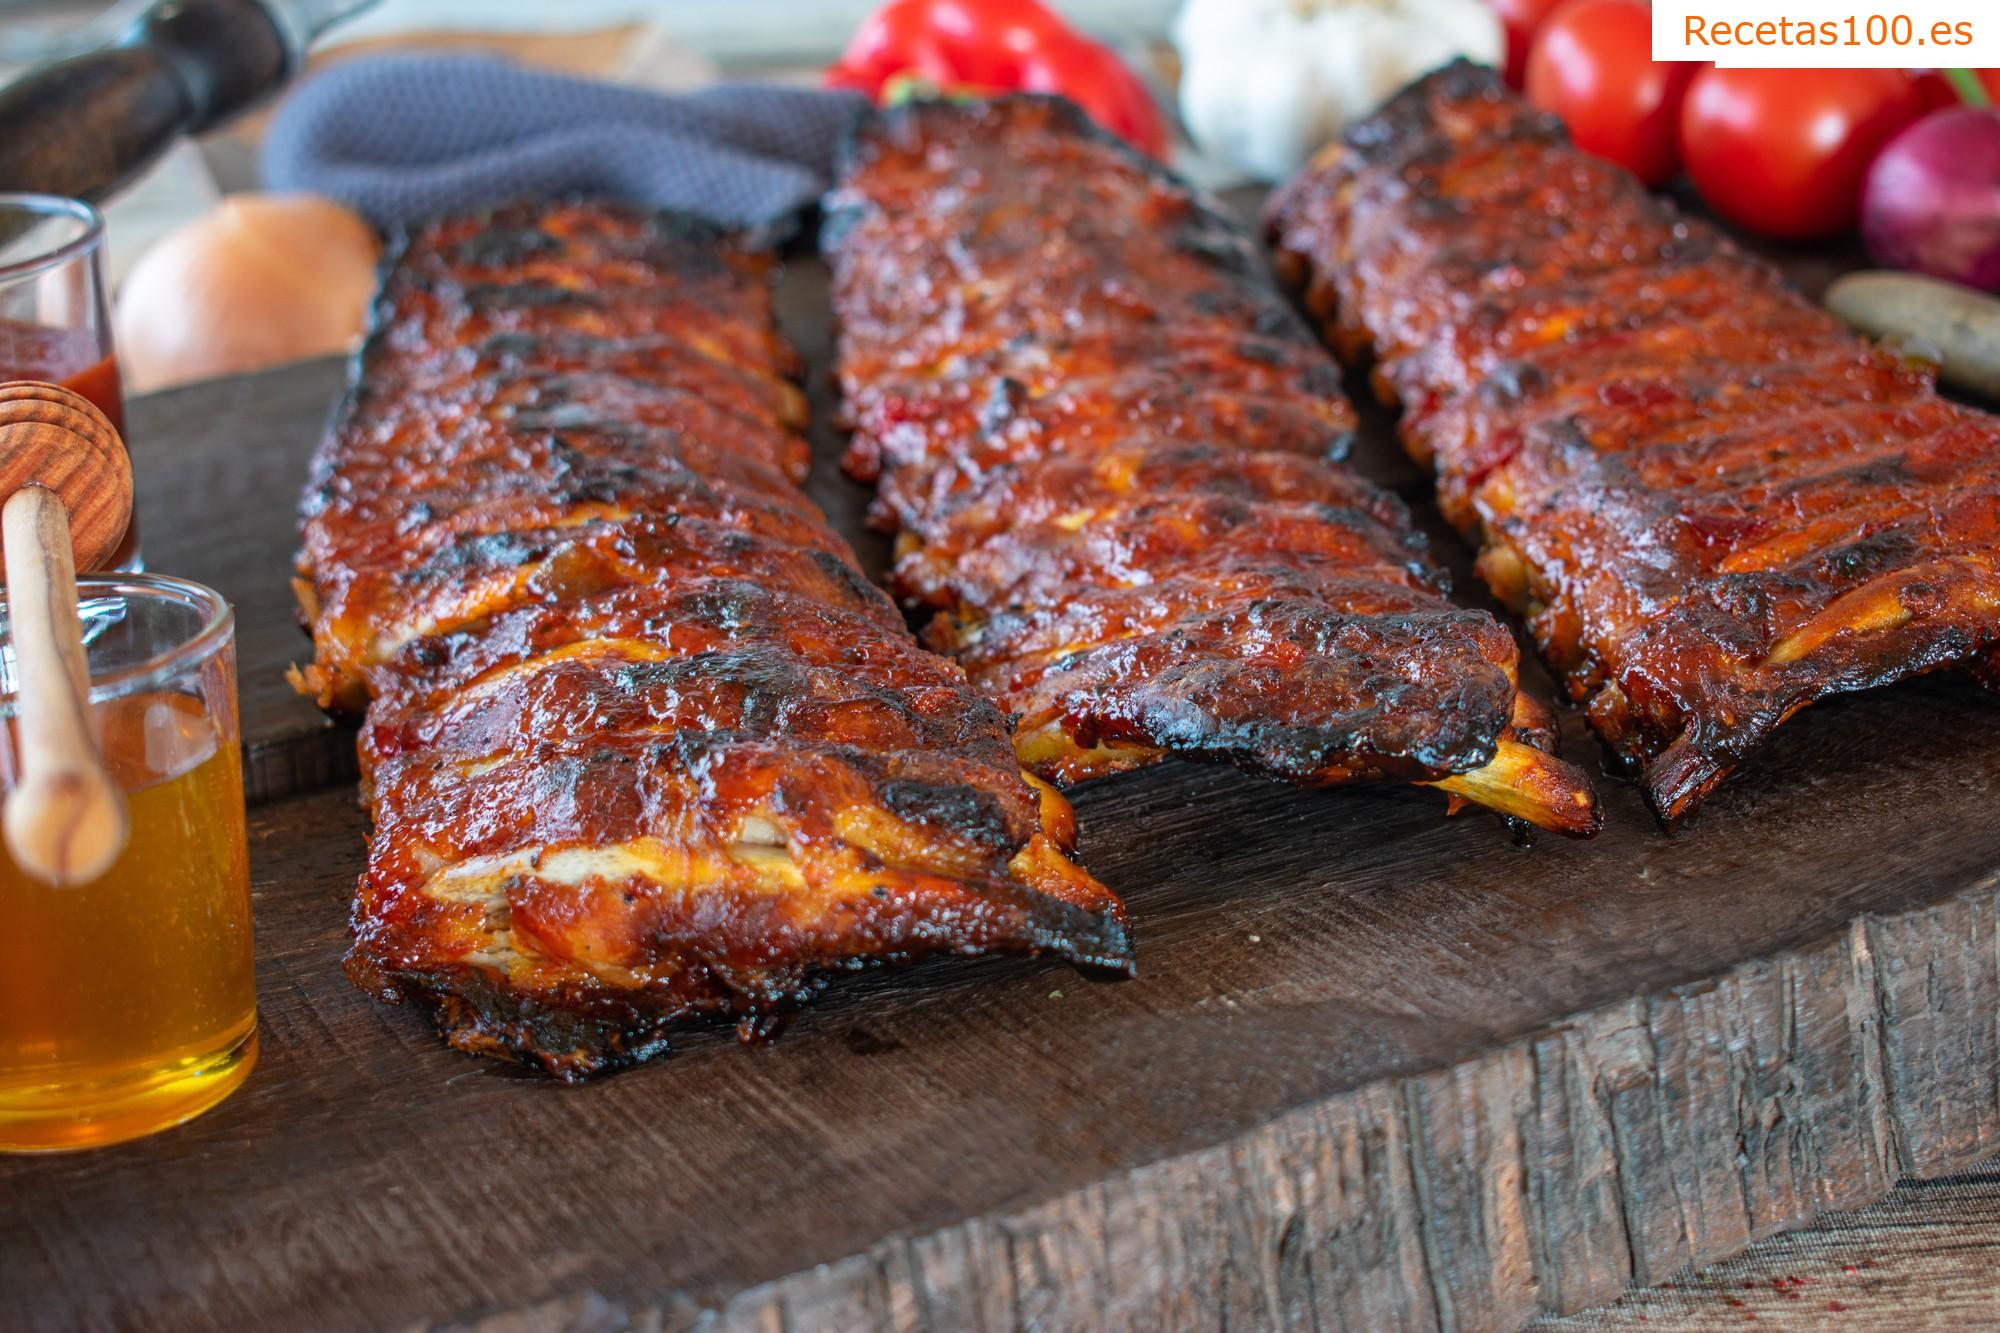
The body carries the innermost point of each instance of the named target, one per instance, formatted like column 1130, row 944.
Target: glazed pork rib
column 641, row 742
column 1109, row 447
column 1713, row 503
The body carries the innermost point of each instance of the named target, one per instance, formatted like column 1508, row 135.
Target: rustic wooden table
column 1925, row 1258
column 1381, row 1069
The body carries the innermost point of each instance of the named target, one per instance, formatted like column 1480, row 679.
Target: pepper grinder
column 84, row 126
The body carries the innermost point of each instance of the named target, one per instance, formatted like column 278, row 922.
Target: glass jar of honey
column 128, row 1004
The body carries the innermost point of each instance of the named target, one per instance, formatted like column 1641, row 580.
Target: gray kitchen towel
column 404, row 137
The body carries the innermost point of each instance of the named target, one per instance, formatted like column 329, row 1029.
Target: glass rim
column 218, row 626
column 48, row 204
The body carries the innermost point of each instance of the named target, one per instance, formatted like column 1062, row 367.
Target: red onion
column 1932, row 199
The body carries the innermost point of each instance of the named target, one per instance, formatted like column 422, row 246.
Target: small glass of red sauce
column 55, row 317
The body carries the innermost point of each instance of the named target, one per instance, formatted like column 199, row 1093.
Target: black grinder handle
column 85, row 126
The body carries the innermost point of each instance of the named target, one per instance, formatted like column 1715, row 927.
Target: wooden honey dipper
column 68, row 485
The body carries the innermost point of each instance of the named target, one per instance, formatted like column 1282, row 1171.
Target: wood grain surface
column 1925, row 1258
column 218, row 468
column 1380, row 1069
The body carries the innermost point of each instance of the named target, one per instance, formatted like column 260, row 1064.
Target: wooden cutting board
column 1381, row 1069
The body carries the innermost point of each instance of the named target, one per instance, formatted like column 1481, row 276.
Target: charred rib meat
column 641, row 742
column 1109, row 446
column 1713, row 503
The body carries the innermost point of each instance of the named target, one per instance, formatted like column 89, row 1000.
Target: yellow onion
column 260, row 281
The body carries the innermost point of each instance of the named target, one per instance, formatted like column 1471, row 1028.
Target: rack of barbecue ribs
column 1713, row 503
column 1109, row 447
column 641, row 742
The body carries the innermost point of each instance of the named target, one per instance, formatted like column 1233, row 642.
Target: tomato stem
column 1968, row 87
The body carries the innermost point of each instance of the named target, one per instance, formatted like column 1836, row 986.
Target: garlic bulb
column 1265, row 83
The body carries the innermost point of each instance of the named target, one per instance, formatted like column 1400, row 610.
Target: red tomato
column 1937, row 90
column 1784, row 151
column 1592, row 64
column 1522, row 19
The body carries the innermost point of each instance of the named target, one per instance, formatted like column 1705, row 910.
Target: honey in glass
column 128, row 1004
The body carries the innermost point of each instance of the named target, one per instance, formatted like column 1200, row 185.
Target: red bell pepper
column 984, row 46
